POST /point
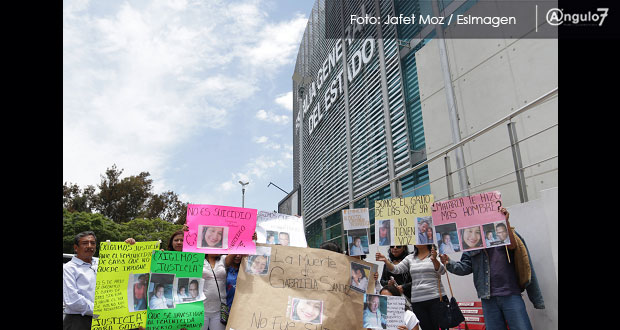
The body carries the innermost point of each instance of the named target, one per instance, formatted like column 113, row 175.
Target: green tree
column 123, row 208
column 77, row 222
column 143, row 230
column 124, row 199
column 166, row 206
column 75, row 199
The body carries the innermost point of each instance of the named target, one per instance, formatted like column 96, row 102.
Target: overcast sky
column 198, row 93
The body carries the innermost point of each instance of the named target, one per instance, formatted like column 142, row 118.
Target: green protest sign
column 175, row 291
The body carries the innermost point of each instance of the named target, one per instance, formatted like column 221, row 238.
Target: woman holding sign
column 424, row 269
column 402, row 282
column 214, row 274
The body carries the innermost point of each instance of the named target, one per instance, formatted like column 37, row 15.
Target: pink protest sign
column 470, row 223
column 220, row 229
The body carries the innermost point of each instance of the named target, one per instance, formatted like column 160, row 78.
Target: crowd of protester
column 411, row 275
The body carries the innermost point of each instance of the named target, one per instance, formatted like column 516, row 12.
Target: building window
column 333, row 227
column 416, row 183
column 314, row 234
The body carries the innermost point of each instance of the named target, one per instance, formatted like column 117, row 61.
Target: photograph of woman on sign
column 384, row 233
column 212, row 237
column 429, row 234
column 307, row 311
column 359, row 277
column 138, row 284
column 258, row 264
column 471, row 237
column 272, row 237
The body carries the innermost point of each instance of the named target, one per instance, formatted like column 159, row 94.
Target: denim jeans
column 508, row 309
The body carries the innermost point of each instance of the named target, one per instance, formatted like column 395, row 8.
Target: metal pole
column 452, row 111
column 243, row 184
column 516, row 157
column 446, row 161
column 347, row 110
column 271, row 183
column 389, row 146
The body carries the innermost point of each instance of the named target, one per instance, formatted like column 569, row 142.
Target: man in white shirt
column 78, row 283
column 372, row 316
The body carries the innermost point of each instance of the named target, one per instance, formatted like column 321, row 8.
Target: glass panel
column 360, row 204
column 333, row 219
column 416, row 183
column 333, row 232
column 314, row 235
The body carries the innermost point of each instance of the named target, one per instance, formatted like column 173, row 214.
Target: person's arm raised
column 380, row 257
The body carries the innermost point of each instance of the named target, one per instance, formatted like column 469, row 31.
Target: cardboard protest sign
column 277, row 228
column 219, row 229
column 118, row 262
column 355, row 219
column 470, row 223
column 410, row 218
column 172, row 305
column 303, row 288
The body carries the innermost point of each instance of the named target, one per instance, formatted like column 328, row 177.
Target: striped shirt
column 423, row 277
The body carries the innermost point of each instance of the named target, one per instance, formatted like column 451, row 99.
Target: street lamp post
column 243, row 184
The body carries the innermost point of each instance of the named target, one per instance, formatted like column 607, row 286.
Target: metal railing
column 519, row 167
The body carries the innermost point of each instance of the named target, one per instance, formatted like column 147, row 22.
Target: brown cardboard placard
column 304, row 288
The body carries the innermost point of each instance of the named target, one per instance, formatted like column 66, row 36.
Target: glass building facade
column 358, row 120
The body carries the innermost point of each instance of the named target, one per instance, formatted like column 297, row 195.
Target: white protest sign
column 355, row 218
column 282, row 229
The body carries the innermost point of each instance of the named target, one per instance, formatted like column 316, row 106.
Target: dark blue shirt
column 231, row 285
column 503, row 275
